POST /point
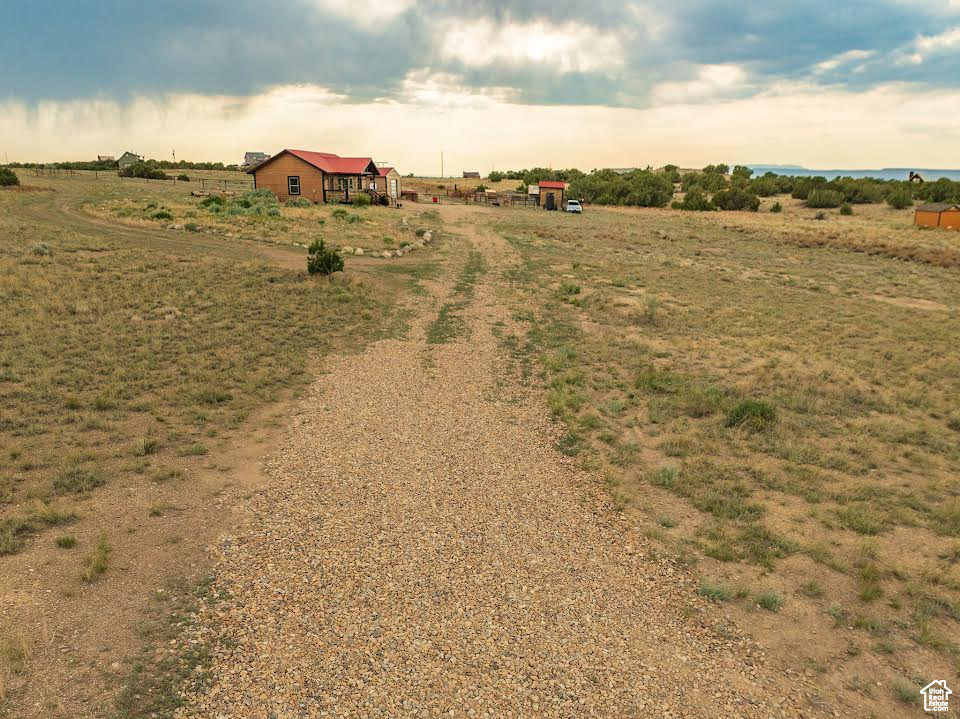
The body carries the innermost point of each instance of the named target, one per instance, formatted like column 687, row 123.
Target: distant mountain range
column 887, row 173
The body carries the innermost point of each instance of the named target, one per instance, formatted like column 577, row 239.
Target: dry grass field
column 775, row 398
column 770, row 398
column 142, row 371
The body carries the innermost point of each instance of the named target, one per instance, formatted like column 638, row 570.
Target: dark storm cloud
column 116, row 49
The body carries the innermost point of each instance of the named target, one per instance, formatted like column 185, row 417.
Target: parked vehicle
column 574, row 206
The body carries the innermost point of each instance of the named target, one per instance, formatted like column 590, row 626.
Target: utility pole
column 174, row 153
column 441, row 164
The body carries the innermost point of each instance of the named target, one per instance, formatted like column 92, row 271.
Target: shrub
column 824, row 198
column 752, row 414
column 65, row 541
column 776, row 207
column 75, row 481
column 820, row 216
column 361, row 200
column 846, row 209
column 162, row 215
column 736, row 199
column 42, row 249
column 183, row 177
column 714, row 591
column 496, row 176
column 97, row 561
column 695, row 201
column 899, row 199
column 192, row 226
column 420, row 232
column 144, row 170
column 299, row 202
column 323, row 260
column 217, row 200
column 339, row 214
column 8, row 177
column 769, row 600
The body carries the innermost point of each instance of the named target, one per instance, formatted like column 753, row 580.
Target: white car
column 574, row 206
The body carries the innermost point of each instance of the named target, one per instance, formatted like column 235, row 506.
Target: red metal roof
column 552, row 185
column 327, row 161
column 384, row 171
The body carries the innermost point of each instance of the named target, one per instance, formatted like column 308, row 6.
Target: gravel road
column 422, row 550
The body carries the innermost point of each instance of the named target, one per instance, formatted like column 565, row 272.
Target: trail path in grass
column 423, row 550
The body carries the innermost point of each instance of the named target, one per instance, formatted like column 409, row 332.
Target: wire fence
column 197, row 182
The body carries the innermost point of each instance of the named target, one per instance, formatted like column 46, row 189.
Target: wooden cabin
column 317, row 176
column 945, row 215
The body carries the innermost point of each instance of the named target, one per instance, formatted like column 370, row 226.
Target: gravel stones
column 423, row 550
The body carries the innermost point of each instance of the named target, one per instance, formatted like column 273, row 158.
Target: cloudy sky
column 820, row 83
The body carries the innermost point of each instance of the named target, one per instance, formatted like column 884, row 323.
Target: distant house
column 551, row 194
column 471, row 175
column 388, row 182
column 252, row 159
column 127, row 159
column 916, row 177
column 945, row 215
column 105, row 158
column 317, row 176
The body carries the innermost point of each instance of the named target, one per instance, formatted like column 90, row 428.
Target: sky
column 491, row 85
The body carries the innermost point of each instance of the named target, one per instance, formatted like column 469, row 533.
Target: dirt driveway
column 422, row 549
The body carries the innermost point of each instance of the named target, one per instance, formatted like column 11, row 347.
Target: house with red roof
column 316, row 176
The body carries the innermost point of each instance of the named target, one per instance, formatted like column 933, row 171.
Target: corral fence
column 478, row 198
column 196, row 181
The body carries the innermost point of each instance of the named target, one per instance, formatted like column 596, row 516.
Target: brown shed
column 551, row 194
column 389, row 182
column 938, row 214
column 317, row 176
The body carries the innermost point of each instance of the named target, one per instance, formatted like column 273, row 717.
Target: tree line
column 720, row 187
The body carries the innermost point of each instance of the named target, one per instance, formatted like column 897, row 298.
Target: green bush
column 496, row 176
column 824, row 198
column 752, row 414
column 362, row 200
column 736, row 199
column 144, row 170
column 8, row 177
column 846, row 209
column 162, row 215
column 299, row 202
column 339, row 214
column 899, row 199
column 323, row 260
column 183, row 177
column 776, row 207
column 694, row 201
column 217, row 200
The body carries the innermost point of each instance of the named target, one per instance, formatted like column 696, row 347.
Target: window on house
column 293, row 185
column 351, row 183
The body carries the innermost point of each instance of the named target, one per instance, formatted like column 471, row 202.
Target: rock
column 427, row 236
column 358, row 251
column 419, row 244
column 386, row 254
column 347, row 250
column 398, row 253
